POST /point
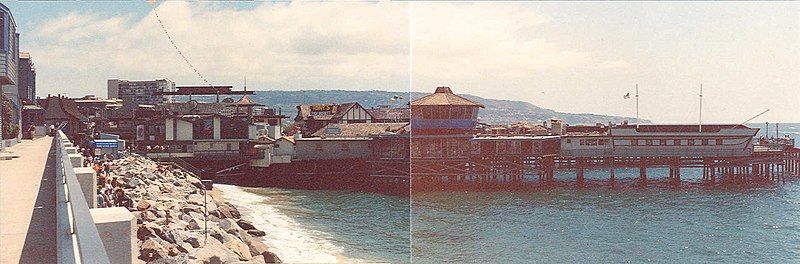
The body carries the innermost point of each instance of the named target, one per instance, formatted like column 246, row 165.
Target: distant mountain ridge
column 496, row 111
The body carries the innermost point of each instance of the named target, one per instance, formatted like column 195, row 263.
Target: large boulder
column 144, row 205
column 246, row 225
column 195, row 182
column 152, row 250
column 240, row 248
column 228, row 225
column 213, row 252
column 256, row 232
column 234, row 212
column 196, row 199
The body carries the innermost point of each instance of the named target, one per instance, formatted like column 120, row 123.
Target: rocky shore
column 169, row 206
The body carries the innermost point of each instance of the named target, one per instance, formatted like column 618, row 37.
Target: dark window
column 690, row 142
column 719, row 141
column 203, row 129
column 233, row 128
column 677, row 142
column 662, row 142
column 705, row 142
column 2, row 31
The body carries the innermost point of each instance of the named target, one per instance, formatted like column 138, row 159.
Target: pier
column 448, row 152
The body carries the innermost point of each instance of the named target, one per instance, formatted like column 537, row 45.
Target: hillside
column 496, row 111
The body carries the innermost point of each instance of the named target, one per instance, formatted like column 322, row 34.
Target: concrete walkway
column 27, row 203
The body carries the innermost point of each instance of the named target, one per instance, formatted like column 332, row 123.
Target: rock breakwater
column 178, row 221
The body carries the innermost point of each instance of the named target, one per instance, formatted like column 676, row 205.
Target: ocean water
column 313, row 226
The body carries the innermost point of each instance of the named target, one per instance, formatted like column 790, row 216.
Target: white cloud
column 501, row 40
column 277, row 46
column 615, row 64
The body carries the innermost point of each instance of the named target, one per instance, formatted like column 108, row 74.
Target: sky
column 578, row 57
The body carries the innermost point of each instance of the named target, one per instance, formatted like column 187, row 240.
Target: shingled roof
column 390, row 113
column 351, row 130
column 61, row 108
column 244, row 102
column 189, row 108
column 444, row 97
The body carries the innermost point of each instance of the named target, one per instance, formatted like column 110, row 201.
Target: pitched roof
column 443, row 97
column 245, row 101
column 390, row 113
column 186, row 108
column 360, row 129
column 62, row 108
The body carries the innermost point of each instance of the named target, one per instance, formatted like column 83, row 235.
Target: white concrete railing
column 78, row 239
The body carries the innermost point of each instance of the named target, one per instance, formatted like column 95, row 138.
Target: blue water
column 312, row 226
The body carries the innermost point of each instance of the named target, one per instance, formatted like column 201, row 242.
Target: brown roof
column 360, row 129
column 61, row 108
column 390, row 113
column 188, row 108
column 245, row 101
column 444, row 96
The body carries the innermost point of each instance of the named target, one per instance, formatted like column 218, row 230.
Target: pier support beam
column 643, row 171
column 579, row 163
column 612, row 168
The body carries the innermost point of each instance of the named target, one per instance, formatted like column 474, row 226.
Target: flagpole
column 637, row 105
column 700, row 123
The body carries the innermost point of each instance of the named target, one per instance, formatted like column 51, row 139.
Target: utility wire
column 185, row 59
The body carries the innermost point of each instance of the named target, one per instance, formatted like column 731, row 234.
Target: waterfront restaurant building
column 442, row 124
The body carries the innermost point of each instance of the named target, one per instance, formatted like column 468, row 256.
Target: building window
column 677, row 142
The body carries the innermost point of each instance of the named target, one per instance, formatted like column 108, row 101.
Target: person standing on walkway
column 32, row 131
column 52, row 130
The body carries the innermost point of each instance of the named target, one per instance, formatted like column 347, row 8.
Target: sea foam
column 292, row 242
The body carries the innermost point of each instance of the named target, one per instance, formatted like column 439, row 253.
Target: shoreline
column 289, row 239
column 173, row 212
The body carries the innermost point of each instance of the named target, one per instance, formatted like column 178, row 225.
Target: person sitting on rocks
column 101, row 200
column 107, row 196
column 101, row 179
column 121, row 199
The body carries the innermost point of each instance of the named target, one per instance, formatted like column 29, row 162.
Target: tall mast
column 637, row 105
column 700, row 123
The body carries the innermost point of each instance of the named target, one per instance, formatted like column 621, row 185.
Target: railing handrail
column 78, row 238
